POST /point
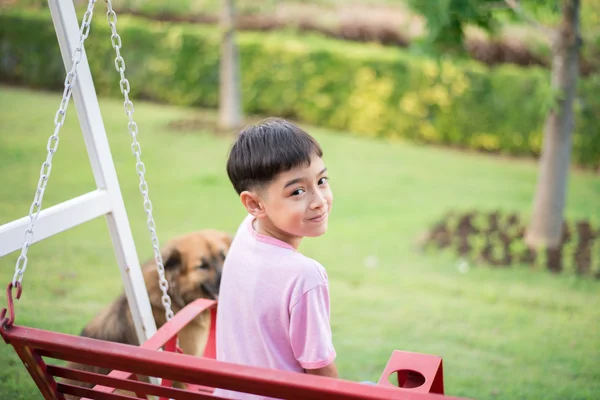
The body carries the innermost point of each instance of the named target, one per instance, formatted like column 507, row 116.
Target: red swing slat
column 123, row 384
column 92, row 394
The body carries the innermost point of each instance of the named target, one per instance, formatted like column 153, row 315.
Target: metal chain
column 137, row 152
column 52, row 145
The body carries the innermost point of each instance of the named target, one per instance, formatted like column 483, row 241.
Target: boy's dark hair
column 266, row 149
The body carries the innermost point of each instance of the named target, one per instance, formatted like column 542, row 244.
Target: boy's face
column 296, row 203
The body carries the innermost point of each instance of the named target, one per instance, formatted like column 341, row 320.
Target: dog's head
column 193, row 264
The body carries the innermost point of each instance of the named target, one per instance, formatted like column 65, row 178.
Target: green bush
column 368, row 89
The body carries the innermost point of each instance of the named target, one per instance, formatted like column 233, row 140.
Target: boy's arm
column 329, row 370
column 310, row 333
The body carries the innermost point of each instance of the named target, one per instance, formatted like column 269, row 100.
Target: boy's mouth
column 319, row 218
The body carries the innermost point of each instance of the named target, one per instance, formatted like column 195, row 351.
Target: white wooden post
column 92, row 126
column 107, row 199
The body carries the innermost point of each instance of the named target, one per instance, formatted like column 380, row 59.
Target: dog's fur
column 193, row 265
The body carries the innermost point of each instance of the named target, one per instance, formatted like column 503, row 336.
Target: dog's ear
column 225, row 240
column 172, row 259
column 228, row 239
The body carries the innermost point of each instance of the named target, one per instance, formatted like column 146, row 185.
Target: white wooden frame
column 107, row 199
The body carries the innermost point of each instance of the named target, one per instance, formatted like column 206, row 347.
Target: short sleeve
column 310, row 330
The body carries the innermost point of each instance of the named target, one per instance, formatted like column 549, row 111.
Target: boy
column 274, row 301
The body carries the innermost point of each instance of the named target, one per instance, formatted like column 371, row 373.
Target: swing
column 419, row 376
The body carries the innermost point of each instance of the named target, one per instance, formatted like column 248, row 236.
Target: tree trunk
column 230, row 92
column 545, row 228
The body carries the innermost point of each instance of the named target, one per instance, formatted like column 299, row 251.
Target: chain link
column 137, row 152
column 52, row 146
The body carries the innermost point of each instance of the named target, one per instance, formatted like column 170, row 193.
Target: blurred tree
column 230, row 90
column 446, row 20
column 546, row 223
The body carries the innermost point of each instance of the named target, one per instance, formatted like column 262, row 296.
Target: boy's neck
column 266, row 228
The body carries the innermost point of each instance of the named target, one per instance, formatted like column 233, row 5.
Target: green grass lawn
column 503, row 333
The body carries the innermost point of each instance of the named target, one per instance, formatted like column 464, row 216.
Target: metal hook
column 6, row 322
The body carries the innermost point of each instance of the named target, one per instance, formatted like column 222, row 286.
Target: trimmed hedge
column 367, row 89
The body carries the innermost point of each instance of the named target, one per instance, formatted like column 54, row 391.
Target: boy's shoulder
column 310, row 267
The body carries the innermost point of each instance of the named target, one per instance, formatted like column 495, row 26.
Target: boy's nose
column 319, row 201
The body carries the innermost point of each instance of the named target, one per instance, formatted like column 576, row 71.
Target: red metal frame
column 201, row 374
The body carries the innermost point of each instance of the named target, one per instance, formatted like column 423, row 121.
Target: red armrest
column 177, row 323
column 416, row 372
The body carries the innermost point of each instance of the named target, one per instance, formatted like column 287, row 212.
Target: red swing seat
column 199, row 374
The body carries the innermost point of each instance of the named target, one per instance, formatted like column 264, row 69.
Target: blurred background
column 464, row 156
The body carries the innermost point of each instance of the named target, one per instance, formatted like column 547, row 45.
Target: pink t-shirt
column 273, row 307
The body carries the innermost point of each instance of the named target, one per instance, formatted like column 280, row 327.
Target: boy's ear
column 253, row 203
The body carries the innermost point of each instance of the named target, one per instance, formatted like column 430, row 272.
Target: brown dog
column 193, row 265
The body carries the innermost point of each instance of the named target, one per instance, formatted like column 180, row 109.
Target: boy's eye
column 297, row 192
column 323, row 181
